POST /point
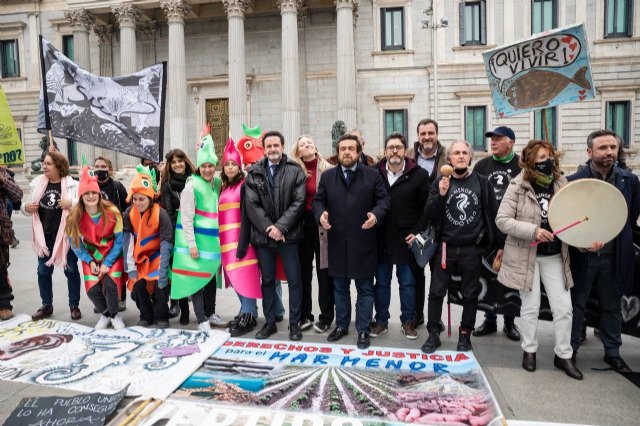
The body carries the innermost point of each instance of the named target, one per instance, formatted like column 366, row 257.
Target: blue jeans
column 45, row 282
column 279, row 306
column 248, row 305
column 364, row 302
column 267, row 263
column 407, row 283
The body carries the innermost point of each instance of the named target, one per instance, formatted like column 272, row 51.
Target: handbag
column 424, row 246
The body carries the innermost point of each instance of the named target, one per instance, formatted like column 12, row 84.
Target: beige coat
column 519, row 217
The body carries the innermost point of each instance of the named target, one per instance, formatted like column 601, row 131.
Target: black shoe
column 321, row 327
column 432, row 343
column 266, row 331
column 144, row 323
column 243, row 325
column 295, row 333
column 617, row 364
column 511, row 330
column 163, row 323
column 420, row 320
column 568, row 367
column 174, row 310
column 529, row 361
column 487, row 328
column 596, row 333
column 464, row 341
column 363, row 341
column 337, row 334
column 279, row 318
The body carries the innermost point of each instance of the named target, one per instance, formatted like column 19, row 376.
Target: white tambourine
column 600, row 202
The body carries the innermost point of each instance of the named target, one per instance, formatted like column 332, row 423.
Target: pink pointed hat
column 231, row 153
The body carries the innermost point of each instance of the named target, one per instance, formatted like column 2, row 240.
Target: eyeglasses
column 395, row 148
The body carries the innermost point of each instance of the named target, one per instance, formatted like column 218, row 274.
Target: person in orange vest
column 147, row 244
column 94, row 227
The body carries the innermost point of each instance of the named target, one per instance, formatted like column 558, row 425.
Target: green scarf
column 544, row 180
column 506, row 158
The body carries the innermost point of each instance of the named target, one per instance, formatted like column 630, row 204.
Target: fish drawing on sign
column 538, row 87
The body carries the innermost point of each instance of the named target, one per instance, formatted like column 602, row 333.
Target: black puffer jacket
column 284, row 208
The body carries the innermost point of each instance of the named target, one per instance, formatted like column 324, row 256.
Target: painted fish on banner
column 545, row 70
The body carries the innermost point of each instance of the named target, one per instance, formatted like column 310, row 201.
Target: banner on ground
column 271, row 382
column 124, row 114
column 542, row 71
column 10, row 143
column 72, row 356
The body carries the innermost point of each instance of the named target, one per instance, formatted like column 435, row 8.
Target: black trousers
column 104, row 296
column 310, row 248
column 418, row 275
column 465, row 261
column 209, row 292
column 152, row 307
column 6, row 293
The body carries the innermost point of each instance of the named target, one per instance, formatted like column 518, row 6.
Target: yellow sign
column 10, row 144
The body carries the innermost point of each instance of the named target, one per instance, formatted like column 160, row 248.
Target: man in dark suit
column 350, row 201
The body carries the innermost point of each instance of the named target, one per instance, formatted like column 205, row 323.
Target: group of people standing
column 261, row 223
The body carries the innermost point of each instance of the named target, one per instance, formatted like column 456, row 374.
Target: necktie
column 347, row 175
column 273, row 169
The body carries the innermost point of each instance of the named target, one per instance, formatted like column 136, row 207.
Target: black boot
column 174, row 310
column 243, row 325
column 464, row 341
column 432, row 343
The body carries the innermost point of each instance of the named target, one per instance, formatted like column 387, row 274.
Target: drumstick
column 571, row 225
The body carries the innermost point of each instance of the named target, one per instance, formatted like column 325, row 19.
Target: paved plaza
column 547, row 395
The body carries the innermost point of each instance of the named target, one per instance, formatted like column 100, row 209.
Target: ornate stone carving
column 80, row 19
column 126, row 14
column 175, row 10
column 236, row 7
column 147, row 30
column 353, row 4
column 290, row 5
column 104, row 33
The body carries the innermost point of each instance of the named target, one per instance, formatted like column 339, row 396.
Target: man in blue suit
column 350, row 201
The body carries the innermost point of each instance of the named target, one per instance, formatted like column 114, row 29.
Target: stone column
column 105, row 38
column 81, row 22
column 346, row 66
column 290, row 69
column 127, row 17
column 34, row 46
column 176, row 11
column 147, row 32
column 236, row 10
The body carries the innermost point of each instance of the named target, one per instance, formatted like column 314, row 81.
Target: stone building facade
column 299, row 65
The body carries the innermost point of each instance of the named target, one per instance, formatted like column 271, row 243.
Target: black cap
column 502, row 131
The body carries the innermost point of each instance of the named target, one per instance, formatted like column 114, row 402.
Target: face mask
column 545, row 167
column 102, row 175
column 460, row 170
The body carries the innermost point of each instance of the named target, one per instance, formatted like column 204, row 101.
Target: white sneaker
column 204, row 326
column 117, row 322
column 216, row 321
column 103, row 322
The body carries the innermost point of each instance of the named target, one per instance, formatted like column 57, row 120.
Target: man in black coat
column 350, row 201
column 609, row 269
column 406, row 183
column 463, row 207
column 273, row 203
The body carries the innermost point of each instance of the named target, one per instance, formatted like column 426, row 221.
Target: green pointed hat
column 253, row 132
column 207, row 152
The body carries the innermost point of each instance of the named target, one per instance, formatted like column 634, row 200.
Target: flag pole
column 47, row 118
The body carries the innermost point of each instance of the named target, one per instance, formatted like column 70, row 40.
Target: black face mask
column 102, row 175
column 460, row 170
column 545, row 167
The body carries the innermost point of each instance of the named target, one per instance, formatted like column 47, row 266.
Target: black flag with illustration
column 124, row 114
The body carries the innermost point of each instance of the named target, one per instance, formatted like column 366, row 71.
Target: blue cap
column 502, row 131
